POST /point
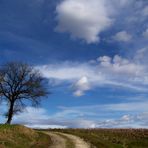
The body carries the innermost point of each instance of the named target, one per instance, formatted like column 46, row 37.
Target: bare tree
column 19, row 85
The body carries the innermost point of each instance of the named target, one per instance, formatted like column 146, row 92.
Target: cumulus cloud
column 87, row 20
column 121, row 65
column 83, row 19
column 122, row 36
column 81, row 86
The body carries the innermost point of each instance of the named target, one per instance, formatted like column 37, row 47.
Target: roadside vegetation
column 112, row 138
column 17, row 136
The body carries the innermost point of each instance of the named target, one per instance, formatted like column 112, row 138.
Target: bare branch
column 20, row 82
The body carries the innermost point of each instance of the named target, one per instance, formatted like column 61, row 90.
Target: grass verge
column 18, row 136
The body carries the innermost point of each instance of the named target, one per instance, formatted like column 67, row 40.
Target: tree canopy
column 20, row 83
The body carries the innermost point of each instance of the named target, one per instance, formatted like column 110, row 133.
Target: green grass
column 17, row 136
column 112, row 138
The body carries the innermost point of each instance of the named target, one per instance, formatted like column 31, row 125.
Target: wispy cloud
column 85, row 117
column 104, row 71
column 145, row 11
column 145, row 33
column 122, row 36
column 38, row 118
column 122, row 107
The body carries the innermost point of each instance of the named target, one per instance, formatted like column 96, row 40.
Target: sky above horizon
column 94, row 54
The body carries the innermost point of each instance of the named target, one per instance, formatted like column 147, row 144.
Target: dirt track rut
column 58, row 140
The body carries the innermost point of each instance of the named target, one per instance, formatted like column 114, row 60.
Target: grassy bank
column 17, row 136
column 112, row 138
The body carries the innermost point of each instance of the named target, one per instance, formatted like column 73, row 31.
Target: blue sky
column 94, row 54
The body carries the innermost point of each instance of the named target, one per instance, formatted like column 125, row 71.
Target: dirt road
column 57, row 141
column 78, row 142
column 60, row 140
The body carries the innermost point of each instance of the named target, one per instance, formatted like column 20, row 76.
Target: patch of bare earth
column 58, row 140
column 79, row 143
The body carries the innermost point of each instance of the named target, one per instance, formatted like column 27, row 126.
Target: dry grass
column 17, row 136
column 112, row 138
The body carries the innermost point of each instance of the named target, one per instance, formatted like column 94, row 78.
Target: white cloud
column 141, row 54
column 81, row 86
column 123, row 66
column 145, row 33
column 36, row 118
column 126, row 118
column 39, row 118
column 122, row 36
column 135, row 114
column 133, row 106
column 123, row 2
column 105, row 61
column 88, row 19
column 83, row 19
column 105, row 71
column 31, row 114
column 66, row 70
column 126, row 121
column 145, row 11
column 40, row 126
column 138, row 106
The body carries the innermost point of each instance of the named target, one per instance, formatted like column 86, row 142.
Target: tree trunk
column 10, row 113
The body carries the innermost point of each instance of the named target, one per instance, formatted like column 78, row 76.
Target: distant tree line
column 20, row 84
